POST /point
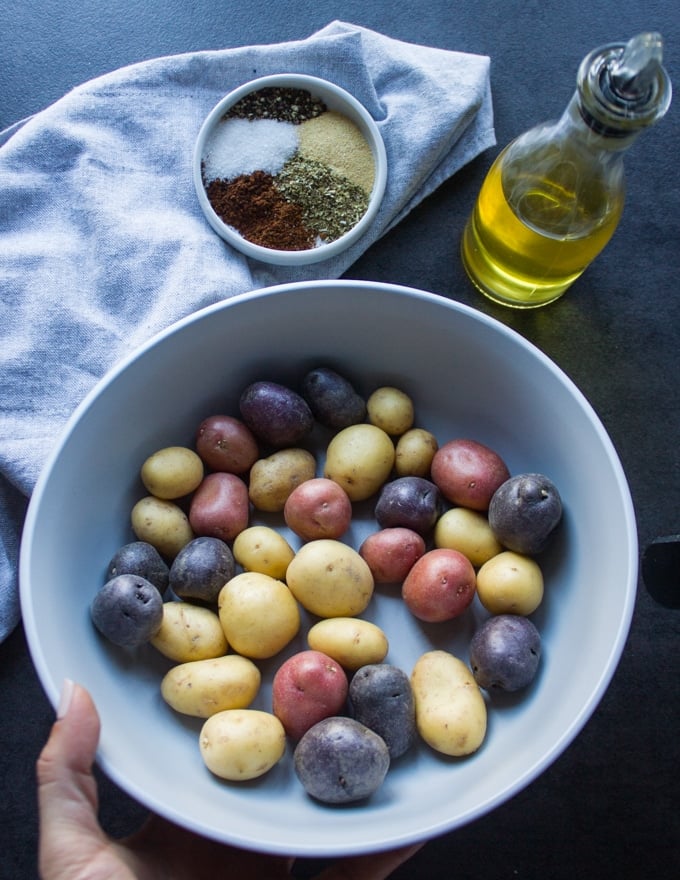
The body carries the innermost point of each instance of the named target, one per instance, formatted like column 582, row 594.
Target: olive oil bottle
column 553, row 198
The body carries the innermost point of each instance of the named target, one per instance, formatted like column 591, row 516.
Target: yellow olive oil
column 530, row 236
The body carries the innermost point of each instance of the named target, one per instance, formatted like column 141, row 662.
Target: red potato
column 468, row 473
column 391, row 553
column 220, row 507
column 440, row 586
column 318, row 508
column 307, row 688
column 226, row 444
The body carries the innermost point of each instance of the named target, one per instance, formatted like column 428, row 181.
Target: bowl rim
column 537, row 767
column 354, row 110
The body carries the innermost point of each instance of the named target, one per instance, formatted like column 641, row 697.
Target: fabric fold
column 102, row 240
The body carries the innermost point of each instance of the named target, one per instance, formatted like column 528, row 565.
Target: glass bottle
column 553, row 198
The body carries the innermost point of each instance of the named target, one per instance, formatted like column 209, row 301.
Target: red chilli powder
column 255, row 208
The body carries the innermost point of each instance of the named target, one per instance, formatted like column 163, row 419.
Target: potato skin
column 468, row 473
column 161, row 523
column 391, row 409
column 318, row 508
column 276, row 414
column 189, row 632
column 242, row 744
column 259, row 614
column 330, row 579
column 414, row 453
column 308, row 687
column 451, row 715
column 201, row 569
column 381, row 697
column 172, row 472
column 351, row 641
column 333, row 399
column 469, row 532
column 220, row 507
column 440, row 586
column 202, row 688
column 510, row 583
column 272, row 479
column 359, row 458
column 226, row 444
column 263, row 549
column 391, row 553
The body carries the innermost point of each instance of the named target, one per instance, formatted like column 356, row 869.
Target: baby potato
column 226, row 444
column 414, row 453
column 308, row 687
column 189, row 632
column 161, row 523
column 450, row 710
column 259, row 614
column 469, row 532
column 202, row 688
column 359, row 458
column 263, row 549
column 220, row 507
column 318, row 508
column 172, row 472
column 468, row 473
column 510, row 583
column 440, row 586
column 242, row 744
column 390, row 409
column 272, row 479
column 330, row 579
column 392, row 553
column 350, row 641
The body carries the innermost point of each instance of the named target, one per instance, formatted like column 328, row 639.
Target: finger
column 377, row 866
column 67, row 792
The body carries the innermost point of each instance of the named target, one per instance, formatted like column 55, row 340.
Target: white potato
column 263, row 549
column 390, row 409
column 189, row 632
column 468, row 532
column 359, row 459
column 330, row 579
column 241, row 744
column 451, row 713
column 510, row 583
column 172, row 472
column 272, row 479
column 259, row 614
column 350, row 641
column 161, row 523
column 414, row 453
column 204, row 687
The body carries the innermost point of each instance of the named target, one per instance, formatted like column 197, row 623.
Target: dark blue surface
column 609, row 806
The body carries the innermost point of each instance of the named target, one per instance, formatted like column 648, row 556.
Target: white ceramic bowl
column 336, row 99
column 469, row 376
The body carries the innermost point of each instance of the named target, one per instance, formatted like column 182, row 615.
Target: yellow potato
column 414, row 453
column 161, row 523
column 189, row 632
column 242, row 744
column 351, row 642
column 450, row 709
column 272, row 479
column 390, row 409
column 259, row 614
column 510, row 583
column 172, row 472
column 359, row 459
column 203, row 687
column 330, row 579
column 468, row 532
column 260, row 548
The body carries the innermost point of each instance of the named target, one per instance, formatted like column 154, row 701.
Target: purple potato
column 505, row 653
column 524, row 513
column 339, row 761
column 410, row 503
column 127, row 610
column 142, row 559
column 332, row 399
column 381, row 698
column 276, row 414
column 201, row 568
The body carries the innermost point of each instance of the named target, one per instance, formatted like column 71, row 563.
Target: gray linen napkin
column 102, row 241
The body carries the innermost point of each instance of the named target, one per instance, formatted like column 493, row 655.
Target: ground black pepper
column 275, row 102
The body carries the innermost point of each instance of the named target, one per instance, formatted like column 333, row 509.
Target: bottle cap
column 624, row 87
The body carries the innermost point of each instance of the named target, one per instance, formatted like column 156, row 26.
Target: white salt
column 241, row 146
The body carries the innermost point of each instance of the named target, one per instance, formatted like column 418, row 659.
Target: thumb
column 67, row 791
